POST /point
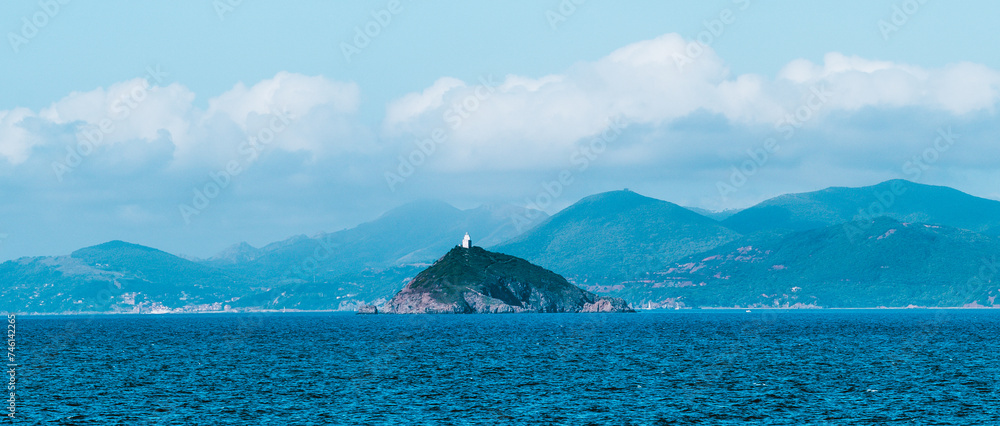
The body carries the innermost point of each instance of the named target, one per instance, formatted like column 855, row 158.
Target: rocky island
column 471, row 280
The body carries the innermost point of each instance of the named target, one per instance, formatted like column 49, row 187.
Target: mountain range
column 899, row 199
column 893, row 244
column 876, row 263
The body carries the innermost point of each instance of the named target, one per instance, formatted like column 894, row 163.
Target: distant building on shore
column 467, row 241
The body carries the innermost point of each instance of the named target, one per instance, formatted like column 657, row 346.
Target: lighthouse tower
column 467, row 241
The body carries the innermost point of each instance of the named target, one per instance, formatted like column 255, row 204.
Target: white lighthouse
column 467, row 241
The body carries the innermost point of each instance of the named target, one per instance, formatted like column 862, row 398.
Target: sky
column 190, row 126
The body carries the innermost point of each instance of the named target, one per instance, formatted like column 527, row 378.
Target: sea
column 713, row 367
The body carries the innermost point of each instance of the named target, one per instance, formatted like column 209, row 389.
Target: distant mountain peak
column 236, row 253
column 419, row 207
column 616, row 196
column 115, row 245
column 617, row 232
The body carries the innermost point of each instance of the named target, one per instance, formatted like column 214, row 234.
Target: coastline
column 640, row 311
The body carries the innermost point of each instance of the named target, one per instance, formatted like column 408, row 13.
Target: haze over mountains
column 413, row 233
column 894, row 244
column 337, row 270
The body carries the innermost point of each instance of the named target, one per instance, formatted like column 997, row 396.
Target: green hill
column 473, row 280
column 902, row 200
column 616, row 234
column 151, row 265
column 866, row 264
column 114, row 276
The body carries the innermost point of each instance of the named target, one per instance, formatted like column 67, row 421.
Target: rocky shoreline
column 473, row 280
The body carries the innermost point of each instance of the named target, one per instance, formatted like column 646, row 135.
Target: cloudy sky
column 189, row 127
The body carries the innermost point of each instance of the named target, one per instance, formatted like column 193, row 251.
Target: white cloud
column 527, row 122
column 966, row 87
column 523, row 122
column 137, row 111
column 803, row 71
column 958, row 88
column 296, row 93
column 15, row 141
column 537, row 122
column 415, row 104
column 128, row 110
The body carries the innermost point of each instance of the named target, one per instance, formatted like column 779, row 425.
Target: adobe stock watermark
column 562, row 12
column 11, row 365
column 308, row 266
column 225, row 7
column 30, row 27
column 90, row 136
column 580, row 160
column 901, row 14
column 714, row 29
column 369, row 31
column 455, row 117
column 249, row 152
column 786, row 127
column 913, row 169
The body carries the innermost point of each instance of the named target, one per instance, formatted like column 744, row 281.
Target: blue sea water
column 692, row 367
